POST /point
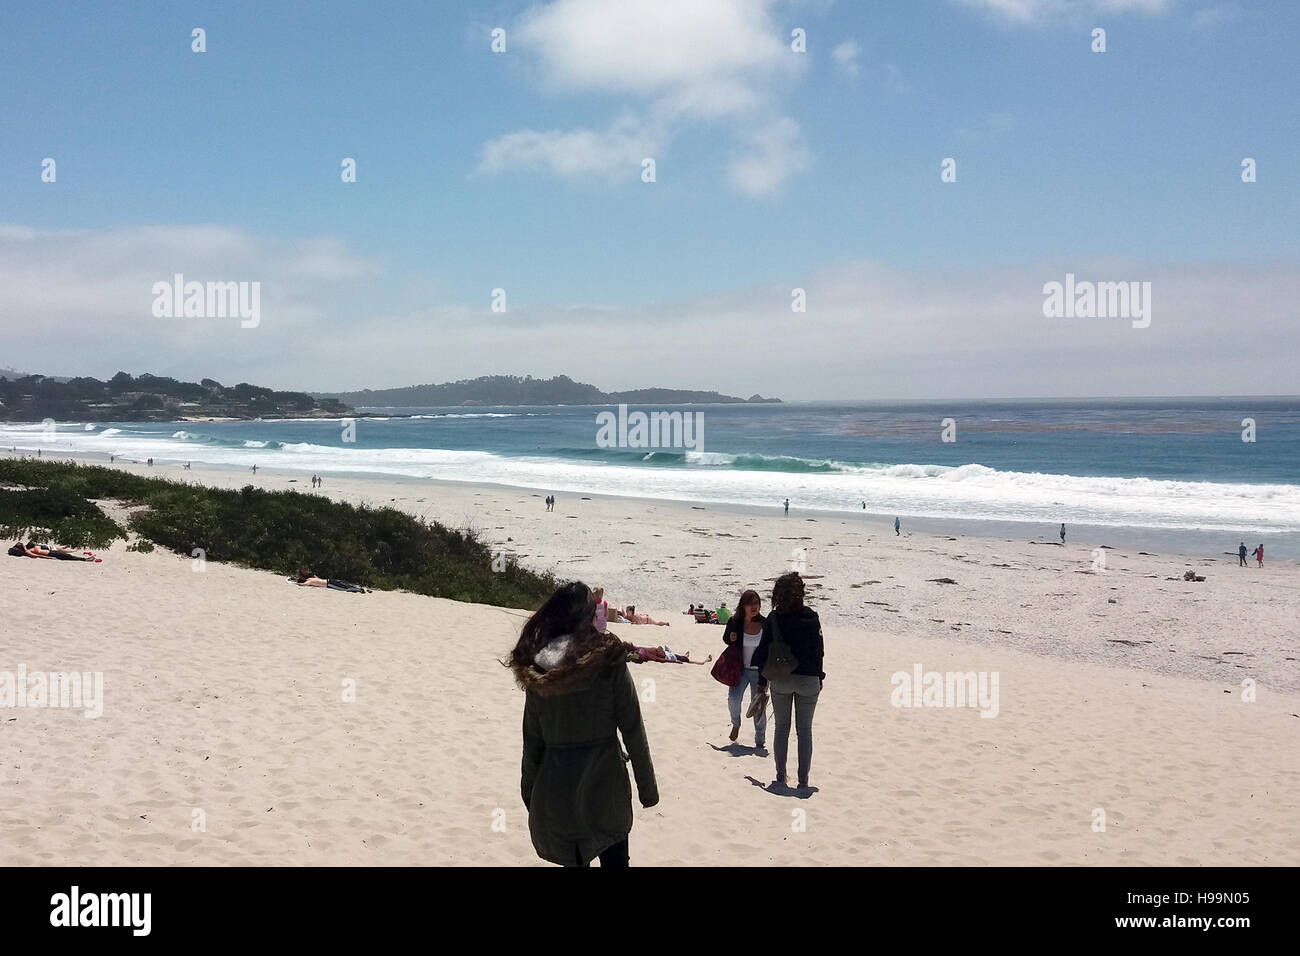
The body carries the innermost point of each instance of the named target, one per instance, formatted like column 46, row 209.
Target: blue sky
column 1063, row 156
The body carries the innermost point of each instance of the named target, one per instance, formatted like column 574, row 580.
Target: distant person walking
column 254, row 467
column 799, row 628
column 787, row 507
column 1241, row 554
column 746, row 626
column 579, row 692
column 1062, row 532
column 1259, row 556
column 897, row 525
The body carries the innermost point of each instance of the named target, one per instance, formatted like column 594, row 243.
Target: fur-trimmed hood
column 556, row 669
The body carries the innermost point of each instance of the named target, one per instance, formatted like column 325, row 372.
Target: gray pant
column 801, row 691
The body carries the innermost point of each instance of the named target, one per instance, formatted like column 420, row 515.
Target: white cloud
column 679, row 61
column 993, row 124
column 1036, row 11
column 79, row 303
column 771, row 155
column 1215, row 16
column 83, row 298
column 669, row 46
column 574, row 153
column 845, row 56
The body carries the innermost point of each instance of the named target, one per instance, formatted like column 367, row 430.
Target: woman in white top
column 746, row 626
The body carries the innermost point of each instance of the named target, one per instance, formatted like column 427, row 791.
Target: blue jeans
column 801, row 691
column 735, row 696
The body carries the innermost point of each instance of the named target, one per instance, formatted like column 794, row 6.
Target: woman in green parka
column 579, row 697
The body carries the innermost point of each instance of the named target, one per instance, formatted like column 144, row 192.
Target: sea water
column 1167, row 473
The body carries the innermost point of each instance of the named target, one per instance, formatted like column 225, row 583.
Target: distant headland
column 150, row 398
column 26, row 397
column 526, row 390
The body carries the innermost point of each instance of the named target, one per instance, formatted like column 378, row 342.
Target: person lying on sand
column 307, row 579
column 639, row 655
column 34, row 550
column 634, row 618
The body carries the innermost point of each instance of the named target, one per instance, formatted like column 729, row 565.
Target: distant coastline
column 26, row 397
column 151, row 398
column 513, row 390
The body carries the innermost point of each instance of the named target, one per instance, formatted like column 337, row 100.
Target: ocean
column 1167, row 473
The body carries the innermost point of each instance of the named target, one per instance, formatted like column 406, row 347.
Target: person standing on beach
column 799, row 627
column 601, row 608
column 579, row 692
column 746, row 626
column 896, row 526
column 1259, row 556
column 1241, row 554
column 787, row 506
column 1062, row 532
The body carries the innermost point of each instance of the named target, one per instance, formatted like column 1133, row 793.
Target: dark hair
column 737, row 620
column 787, row 593
column 570, row 610
column 18, row 551
column 303, row 575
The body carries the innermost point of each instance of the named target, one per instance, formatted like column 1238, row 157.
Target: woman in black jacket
column 799, row 627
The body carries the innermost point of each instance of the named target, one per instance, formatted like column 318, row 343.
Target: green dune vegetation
column 278, row 531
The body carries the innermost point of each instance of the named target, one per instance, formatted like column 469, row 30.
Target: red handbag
column 727, row 668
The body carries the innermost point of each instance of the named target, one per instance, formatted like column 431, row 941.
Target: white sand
column 223, row 693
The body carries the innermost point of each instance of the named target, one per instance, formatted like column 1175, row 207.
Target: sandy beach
column 1120, row 692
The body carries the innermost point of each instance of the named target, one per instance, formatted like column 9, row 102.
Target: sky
column 796, row 145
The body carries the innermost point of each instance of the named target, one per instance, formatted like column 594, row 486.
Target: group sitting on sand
column 580, row 698
column 704, row 615
column 33, row 550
